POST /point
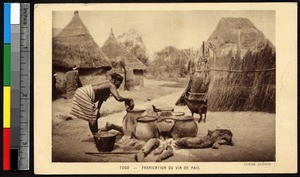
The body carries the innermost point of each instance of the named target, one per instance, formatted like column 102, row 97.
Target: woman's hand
column 129, row 103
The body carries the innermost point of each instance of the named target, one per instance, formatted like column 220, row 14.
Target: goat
column 197, row 106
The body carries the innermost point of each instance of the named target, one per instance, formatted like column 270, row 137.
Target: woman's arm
column 116, row 95
column 98, row 108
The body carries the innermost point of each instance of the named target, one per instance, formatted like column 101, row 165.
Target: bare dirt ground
column 253, row 132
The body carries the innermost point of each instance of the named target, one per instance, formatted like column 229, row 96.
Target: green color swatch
column 6, row 65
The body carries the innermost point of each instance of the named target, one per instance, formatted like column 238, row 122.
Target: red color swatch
column 6, row 148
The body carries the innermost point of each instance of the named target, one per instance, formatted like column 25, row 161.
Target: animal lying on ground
column 212, row 139
column 197, row 106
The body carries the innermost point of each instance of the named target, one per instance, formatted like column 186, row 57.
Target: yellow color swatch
column 6, row 107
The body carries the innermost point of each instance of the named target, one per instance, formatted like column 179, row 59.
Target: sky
column 182, row 29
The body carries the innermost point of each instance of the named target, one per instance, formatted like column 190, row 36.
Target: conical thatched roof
column 116, row 52
column 233, row 34
column 74, row 46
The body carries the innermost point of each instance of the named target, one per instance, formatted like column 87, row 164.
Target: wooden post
column 72, row 78
column 129, row 79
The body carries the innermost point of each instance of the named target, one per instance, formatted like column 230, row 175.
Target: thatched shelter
column 75, row 47
column 121, row 58
column 241, row 67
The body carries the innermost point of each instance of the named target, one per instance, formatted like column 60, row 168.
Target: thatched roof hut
column 74, row 46
column 120, row 57
column 117, row 53
column 242, row 68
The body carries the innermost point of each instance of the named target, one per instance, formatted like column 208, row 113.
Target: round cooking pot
column 146, row 128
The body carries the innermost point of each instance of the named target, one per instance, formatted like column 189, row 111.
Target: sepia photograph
column 165, row 88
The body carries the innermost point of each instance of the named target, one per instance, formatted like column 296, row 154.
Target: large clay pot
column 129, row 121
column 184, row 126
column 146, row 128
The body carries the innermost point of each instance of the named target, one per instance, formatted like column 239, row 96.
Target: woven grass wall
column 245, row 90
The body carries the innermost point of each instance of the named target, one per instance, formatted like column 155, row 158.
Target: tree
column 169, row 62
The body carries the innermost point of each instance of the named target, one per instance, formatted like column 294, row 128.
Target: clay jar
column 184, row 126
column 129, row 121
column 146, row 128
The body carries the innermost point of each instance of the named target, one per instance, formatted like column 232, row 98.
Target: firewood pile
column 161, row 149
column 154, row 149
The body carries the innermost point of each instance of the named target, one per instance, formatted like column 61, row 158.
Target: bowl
column 160, row 109
column 105, row 141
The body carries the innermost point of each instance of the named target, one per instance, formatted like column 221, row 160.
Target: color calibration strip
column 6, row 89
column 11, row 90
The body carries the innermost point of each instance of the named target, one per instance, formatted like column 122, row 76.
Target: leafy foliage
column 170, row 62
